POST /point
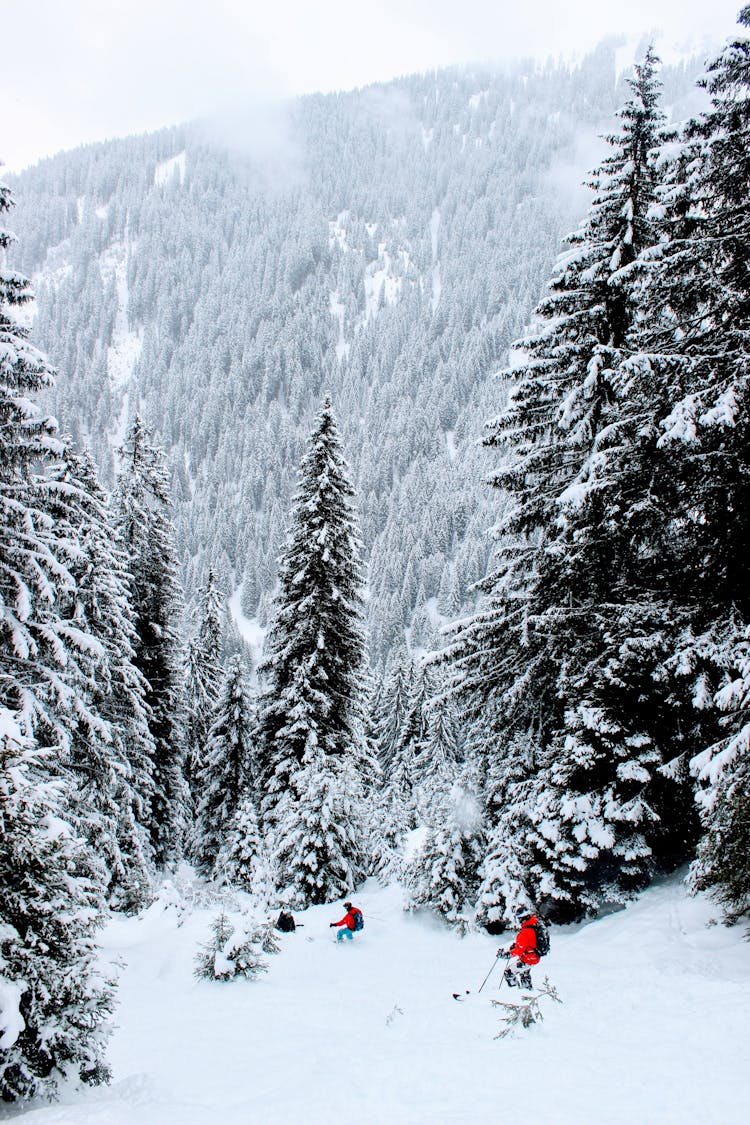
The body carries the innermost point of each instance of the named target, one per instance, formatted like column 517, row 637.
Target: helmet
column 348, row 905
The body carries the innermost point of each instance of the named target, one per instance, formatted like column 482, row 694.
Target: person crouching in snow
column 524, row 948
column 348, row 922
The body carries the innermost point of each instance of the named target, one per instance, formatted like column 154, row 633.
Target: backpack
column 542, row 938
column 285, row 923
column 359, row 922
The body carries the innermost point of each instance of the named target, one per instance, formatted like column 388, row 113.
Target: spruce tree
column 143, row 506
column 439, row 753
column 565, row 643
column 66, row 664
column 225, row 777
column 442, row 875
column 111, row 766
column 202, row 677
column 314, row 752
column 695, row 338
column 392, row 706
column 51, row 888
column 44, row 657
column 51, row 907
column 243, row 859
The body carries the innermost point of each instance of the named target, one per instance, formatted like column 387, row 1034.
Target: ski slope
column 653, row 1027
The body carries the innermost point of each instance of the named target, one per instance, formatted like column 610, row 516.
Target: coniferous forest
column 343, row 493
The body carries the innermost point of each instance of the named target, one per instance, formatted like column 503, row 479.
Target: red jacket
column 524, row 947
column 348, row 919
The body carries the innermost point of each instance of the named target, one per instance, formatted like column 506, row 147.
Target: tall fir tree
column 143, row 505
column 243, row 859
column 110, row 768
column 314, row 751
column 695, row 339
column 202, row 677
column 44, row 657
column 225, row 777
column 442, row 874
column 438, row 754
column 392, row 705
column 56, row 1003
column 565, row 644
column 51, row 888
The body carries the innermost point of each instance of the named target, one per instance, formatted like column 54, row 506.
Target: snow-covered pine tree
column 607, row 816
column 313, row 744
column 202, row 677
column 414, row 728
column 55, row 1003
column 111, row 768
column 510, row 792
column 442, row 875
column 225, row 776
column 396, row 812
column 51, row 892
column 232, row 953
column 44, row 658
column 568, row 591
column 722, row 865
column 438, row 755
column 243, row 859
column 391, row 705
column 143, row 504
column 391, row 811
column 696, row 336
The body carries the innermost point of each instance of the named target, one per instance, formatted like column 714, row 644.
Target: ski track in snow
column 652, row 1028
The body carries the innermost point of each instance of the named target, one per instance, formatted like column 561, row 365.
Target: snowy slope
column 653, row 1027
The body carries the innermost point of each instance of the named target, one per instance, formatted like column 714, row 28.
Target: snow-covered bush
column 233, row 953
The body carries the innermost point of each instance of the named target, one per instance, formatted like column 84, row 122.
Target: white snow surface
column 652, row 1028
column 173, row 167
column 251, row 632
column 125, row 349
column 338, row 312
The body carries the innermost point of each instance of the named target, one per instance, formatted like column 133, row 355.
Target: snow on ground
column 450, row 443
column 126, row 347
column 476, row 99
column 165, row 172
column 652, row 1029
column 338, row 312
column 379, row 277
column 251, row 632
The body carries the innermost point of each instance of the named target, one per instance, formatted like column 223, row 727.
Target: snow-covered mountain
column 386, row 245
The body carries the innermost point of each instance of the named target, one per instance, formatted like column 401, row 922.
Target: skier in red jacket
column 349, row 923
column 518, row 975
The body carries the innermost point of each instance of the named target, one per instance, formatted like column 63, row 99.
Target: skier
column 348, row 922
column 524, row 948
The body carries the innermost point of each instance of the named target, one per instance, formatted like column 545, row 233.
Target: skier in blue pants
column 348, row 923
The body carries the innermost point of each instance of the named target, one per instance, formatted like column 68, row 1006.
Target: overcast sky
column 82, row 70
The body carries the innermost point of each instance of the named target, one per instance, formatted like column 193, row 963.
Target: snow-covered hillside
column 390, row 260
column 653, row 1025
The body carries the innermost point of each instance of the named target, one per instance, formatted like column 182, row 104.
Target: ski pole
column 497, row 958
